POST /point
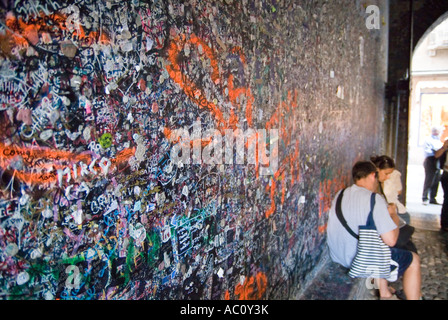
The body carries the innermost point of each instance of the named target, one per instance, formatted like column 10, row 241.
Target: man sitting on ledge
column 355, row 209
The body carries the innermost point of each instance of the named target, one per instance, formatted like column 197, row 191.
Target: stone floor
column 431, row 243
column 432, row 247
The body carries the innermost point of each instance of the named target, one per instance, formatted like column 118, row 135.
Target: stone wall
column 95, row 96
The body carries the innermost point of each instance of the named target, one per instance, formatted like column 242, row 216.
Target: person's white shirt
column 432, row 144
column 392, row 189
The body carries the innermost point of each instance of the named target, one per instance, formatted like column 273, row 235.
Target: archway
column 428, row 108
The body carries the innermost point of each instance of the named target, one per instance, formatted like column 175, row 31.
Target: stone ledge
column 332, row 282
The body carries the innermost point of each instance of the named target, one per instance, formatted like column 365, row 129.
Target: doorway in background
column 428, row 108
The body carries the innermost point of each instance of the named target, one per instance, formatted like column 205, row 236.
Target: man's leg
column 429, row 177
column 383, row 288
column 434, row 186
column 412, row 279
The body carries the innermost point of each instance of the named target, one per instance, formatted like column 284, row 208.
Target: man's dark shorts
column 403, row 258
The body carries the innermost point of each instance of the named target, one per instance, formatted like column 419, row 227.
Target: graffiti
column 327, row 192
column 252, row 288
column 174, row 149
column 44, row 166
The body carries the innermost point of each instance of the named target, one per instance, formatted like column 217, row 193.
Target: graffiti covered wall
column 96, row 95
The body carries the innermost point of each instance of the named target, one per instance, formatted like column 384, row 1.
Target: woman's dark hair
column 362, row 169
column 383, row 162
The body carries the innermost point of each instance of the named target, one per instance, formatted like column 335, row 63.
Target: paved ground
column 431, row 243
column 432, row 247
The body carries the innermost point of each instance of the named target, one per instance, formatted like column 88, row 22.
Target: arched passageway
column 428, row 108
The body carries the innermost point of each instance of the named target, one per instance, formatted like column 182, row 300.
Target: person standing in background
column 432, row 170
column 442, row 153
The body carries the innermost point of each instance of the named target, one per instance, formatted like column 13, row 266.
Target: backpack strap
column 370, row 221
column 341, row 217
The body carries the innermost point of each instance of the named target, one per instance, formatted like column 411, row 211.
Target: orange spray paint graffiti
column 40, row 28
column 253, row 288
column 292, row 159
column 41, row 165
column 327, row 191
column 197, row 95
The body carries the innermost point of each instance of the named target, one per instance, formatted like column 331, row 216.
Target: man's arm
column 444, row 148
column 386, row 221
column 390, row 238
column 393, row 211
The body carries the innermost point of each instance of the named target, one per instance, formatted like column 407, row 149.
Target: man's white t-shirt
column 355, row 209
